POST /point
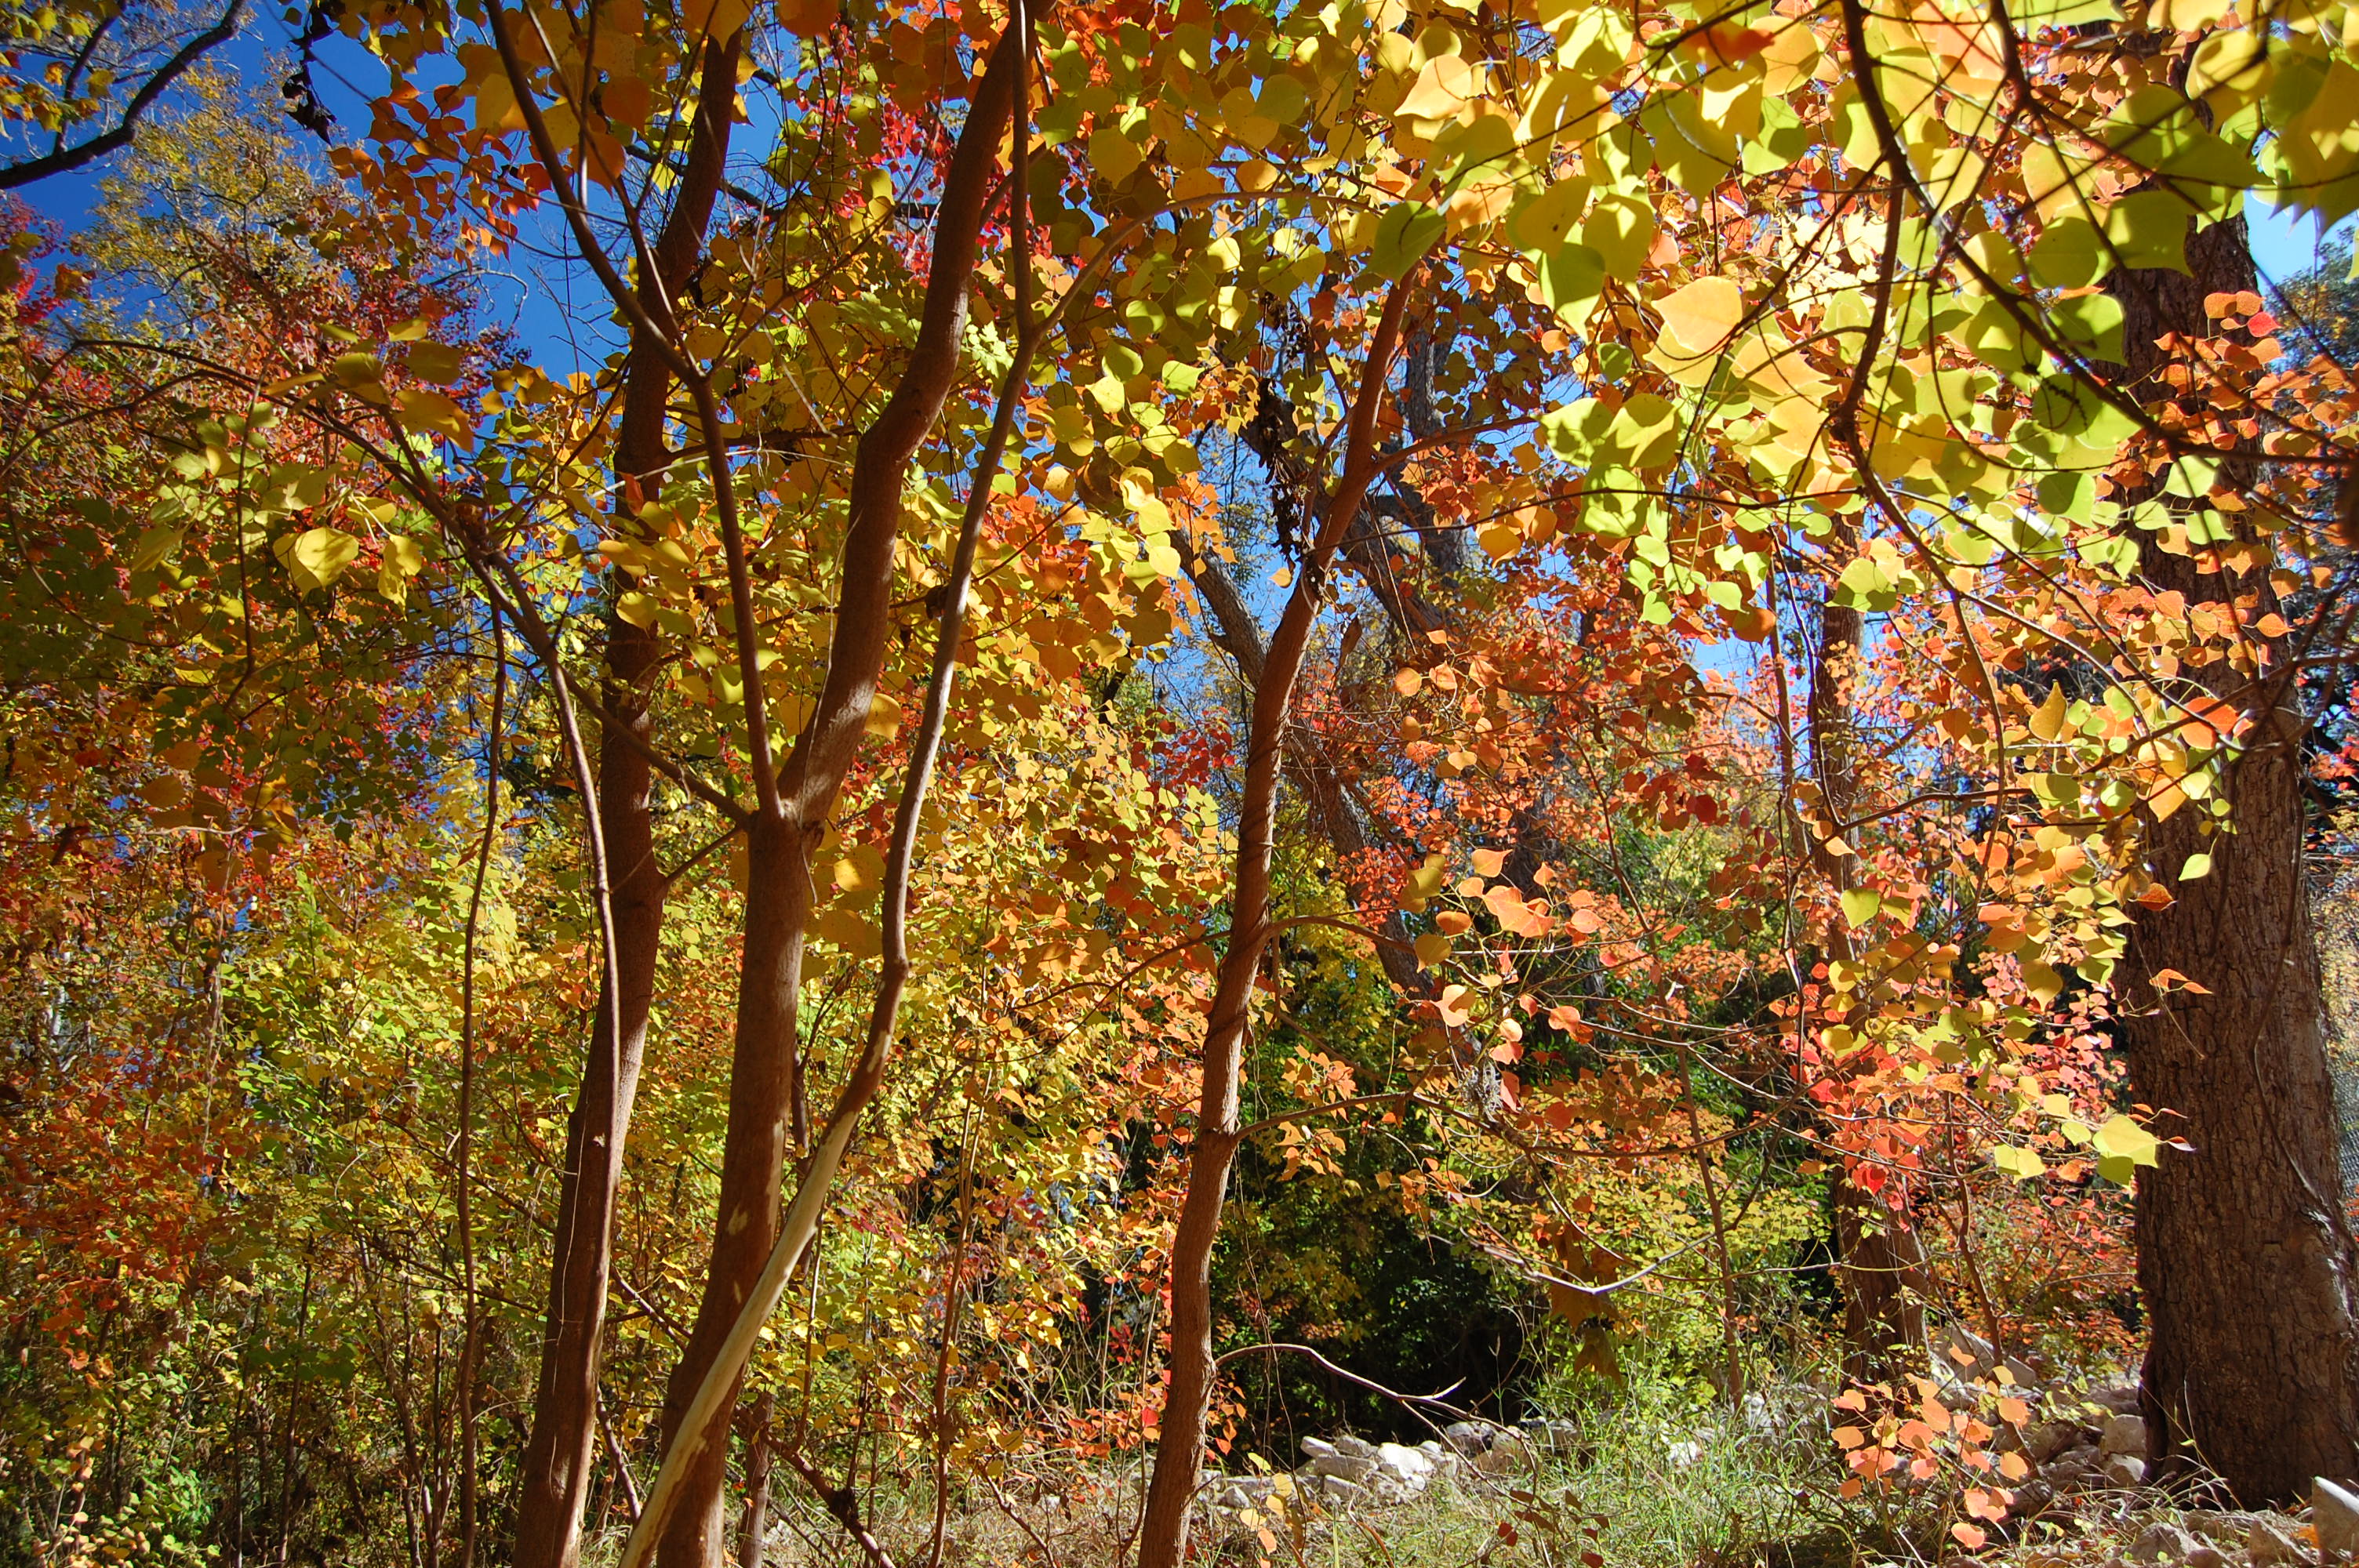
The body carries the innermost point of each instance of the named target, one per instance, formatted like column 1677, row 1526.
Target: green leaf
column 1860, row 905
column 2148, row 229
column 1621, row 231
column 1406, row 231
column 1573, row 277
column 2070, row 254
column 2042, row 981
column 2198, row 867
column 1547, row 220
column 2021, row 1164
column 1864, row 585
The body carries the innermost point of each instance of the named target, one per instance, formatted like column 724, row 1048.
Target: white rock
column 1510, row 1452
column 2334, row 1514
column 2160, row 1542
column 2124, row 1434
column 2267, row 1544
column 2122, row 1399
column 2123, row 1470
column 2047, row 1440
column 1317, row 1447
column 1357, row 1448
column 1471, row 1437
column 1407, row 1463
column 1339, row 1490
column 1343, row 1467
column 1684, row 1454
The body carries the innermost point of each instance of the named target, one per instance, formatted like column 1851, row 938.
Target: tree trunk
column 1879, row 1259
column 2244, row 1259
column 558, row 1451
column 754, row 1152
column 1179, row 1444
column 755, row 1523
column 765, row 1062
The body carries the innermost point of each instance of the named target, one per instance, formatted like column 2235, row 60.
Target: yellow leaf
column 2124, row 1139
column 1704, row 315
column 318, row 556
column 717, row 19
column 1444, row 87
column 424, row 410
column 2048, row 723
column 2042, row 981
column 1432, row 950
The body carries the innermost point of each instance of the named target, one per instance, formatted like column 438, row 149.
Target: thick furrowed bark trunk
column 1179, row 1445
column 558, row 1448
column 2246, row 1262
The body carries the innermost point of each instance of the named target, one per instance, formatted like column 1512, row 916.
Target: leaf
column 717, row 19
column 1620, row 232
column 437, row 363
column 1449, row 1005
column 1860, row 905
column 1433, row 948
column 155, row 545
column 2069, row 255
column 2042, row 980
column 1572, row 278
column 1406, row 231
column 2021, row 1164
column 316, row 557
column 1423, row 882
column 423, row 410
column 1445, row 86
column 2197, row 866
column 1704, row 315
column 2120, row 1138
column 1543, row 222
column 2047, row 719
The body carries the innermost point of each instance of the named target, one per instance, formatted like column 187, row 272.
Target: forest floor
column 1651, row 1481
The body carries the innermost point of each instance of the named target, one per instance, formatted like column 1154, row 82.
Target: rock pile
column 1350, row 1473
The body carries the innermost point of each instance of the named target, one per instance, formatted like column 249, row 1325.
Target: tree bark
column 764, row 1064
column 755, row 1523
column 2245, row 1261
column 1180, row 1445
column 559, row 1449
column 1879, row 1258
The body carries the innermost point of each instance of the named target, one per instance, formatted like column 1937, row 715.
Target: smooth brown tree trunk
column 2245, row 1260
column 756, row 1521
column 760, row 1138
column 1179, row 1442
column 558, row 1448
